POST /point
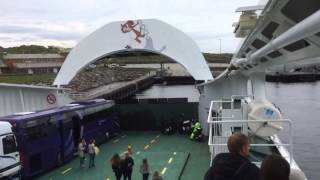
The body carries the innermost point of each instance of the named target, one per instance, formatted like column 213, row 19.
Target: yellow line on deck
column 115, row 140
column 146, row 147
column 65, row 171
column 170, row 160
column 152, row 141
column 163, row 170
column 107, row 178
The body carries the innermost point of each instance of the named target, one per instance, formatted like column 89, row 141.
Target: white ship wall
column 24, row 98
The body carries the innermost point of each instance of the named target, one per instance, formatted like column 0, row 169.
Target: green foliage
column 143, row 59
column 30, row 49
column 27, row 79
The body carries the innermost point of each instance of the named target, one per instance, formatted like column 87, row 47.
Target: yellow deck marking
column 138, row 152
column 152, row 141
column 108, row 178
column 65, row 171
column 115, row 140
column 146, row 147
column 170, row 160
column 163, row 170
column 174, row 153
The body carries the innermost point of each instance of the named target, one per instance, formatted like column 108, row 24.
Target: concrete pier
column 117, row 90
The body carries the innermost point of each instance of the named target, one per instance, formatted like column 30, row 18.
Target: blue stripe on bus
column 81, row 132
column 8, row 157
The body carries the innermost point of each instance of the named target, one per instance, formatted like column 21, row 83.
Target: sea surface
column 299, row 102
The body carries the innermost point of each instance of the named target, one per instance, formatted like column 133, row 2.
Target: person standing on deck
column 116, row 166
column 129, row 149
column 234, row 165
column 81, row 151
column 128, row 165
column 197, row 126
column 156, row 176
column 92, row 153
column 144, row 169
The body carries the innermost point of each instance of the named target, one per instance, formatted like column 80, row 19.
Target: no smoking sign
column 51, row 98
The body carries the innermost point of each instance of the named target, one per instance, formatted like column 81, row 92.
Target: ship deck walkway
column 171, row 155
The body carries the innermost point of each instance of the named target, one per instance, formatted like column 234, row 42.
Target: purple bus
column 49, row 138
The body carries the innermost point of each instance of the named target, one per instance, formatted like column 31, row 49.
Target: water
column 299, row 102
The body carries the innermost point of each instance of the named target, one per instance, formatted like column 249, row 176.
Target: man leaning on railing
column 234, row 165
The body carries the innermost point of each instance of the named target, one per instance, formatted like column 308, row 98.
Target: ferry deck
column 174, row 156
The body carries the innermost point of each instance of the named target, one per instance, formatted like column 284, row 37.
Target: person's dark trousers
column 127, row 175
column 145, row 176
column 91, row 160
column 118, row 175
column 81, row 161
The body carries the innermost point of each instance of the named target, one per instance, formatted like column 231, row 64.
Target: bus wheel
column 59, row 159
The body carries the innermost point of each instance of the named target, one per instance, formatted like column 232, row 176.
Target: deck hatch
column 263, row 60
column 294, row 11
column 274, row 54
column 297, row 45
column 257, row 43
column 269, row 30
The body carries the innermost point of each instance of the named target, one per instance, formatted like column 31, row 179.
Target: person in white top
column 92, row 153
column 81, row 150
column 144, row 169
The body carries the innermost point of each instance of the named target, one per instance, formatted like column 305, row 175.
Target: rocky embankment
column 99, row 76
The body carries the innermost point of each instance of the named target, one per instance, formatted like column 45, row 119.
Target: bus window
column 9, row 144
column 40, row 127
column 34, row 132
column 67, row 123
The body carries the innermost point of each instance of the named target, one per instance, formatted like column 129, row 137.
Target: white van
column 9, row 155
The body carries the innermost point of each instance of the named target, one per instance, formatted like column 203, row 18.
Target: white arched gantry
column 144, row 35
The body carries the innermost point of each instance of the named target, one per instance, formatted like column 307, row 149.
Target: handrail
column 215, row 139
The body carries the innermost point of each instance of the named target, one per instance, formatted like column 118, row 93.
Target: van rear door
column 9, row 155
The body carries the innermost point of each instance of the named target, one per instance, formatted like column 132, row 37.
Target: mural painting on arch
column 148, row 35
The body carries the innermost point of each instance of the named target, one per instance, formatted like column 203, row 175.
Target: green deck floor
column 158, row 148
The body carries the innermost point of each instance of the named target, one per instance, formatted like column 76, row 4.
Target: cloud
column 68, row 21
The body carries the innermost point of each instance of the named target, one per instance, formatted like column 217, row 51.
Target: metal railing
column 218, row 136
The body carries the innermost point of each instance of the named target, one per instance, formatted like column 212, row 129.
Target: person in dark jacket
column 128, row 165
column 274, row 167
column 116, row 166
column 234, row 165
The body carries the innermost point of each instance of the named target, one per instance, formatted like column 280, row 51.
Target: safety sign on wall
column 51, row 98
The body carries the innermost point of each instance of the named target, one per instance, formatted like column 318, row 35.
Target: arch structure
column 149, row 35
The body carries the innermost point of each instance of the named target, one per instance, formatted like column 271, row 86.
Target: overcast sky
column 66, row 22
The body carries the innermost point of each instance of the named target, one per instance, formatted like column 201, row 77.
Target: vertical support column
column 258, row 85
